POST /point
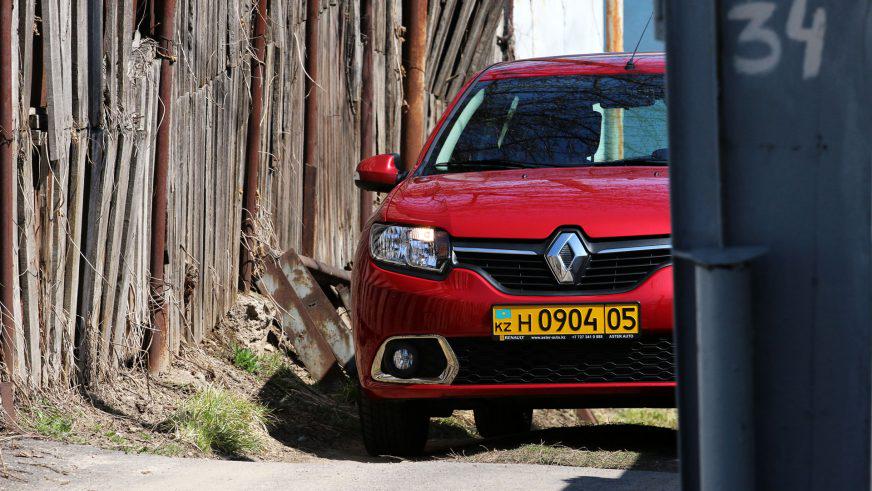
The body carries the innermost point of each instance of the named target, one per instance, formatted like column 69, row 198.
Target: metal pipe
column 157, row 347
column 7, row 179
column 507, row 40
column 316, row 265
column 725, row 367
column 367, row 94
column 310, row 128
column 615, row 26
column 414, row 61
column 614, row 118
column 253, row 138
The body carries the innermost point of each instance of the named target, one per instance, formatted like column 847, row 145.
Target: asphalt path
column 34, row 464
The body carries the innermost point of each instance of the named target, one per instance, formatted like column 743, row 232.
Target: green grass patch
column 50, row 422
column 663, row 418
column 265, row 365
column 349, row 391
column 219, row 421
column 270, row 363
column 117, row 439
column 245, row 359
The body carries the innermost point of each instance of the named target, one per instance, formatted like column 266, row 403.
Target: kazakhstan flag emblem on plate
column 503, row 313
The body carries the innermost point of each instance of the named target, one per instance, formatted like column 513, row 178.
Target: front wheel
column 493, row 420
column 397, row 428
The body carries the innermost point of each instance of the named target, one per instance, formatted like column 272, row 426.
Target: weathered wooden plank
column 115, row 248
column 118, row 306
column 242, row 77
column 434, row 13
column 28, row 268
column 20, row 341
column 95, row 256
column 24, row 44
column 447, row 69
column 480, row 36
column 54, row 259
column 57, row 62
column 435, row 52
column 393, row 75
column 209, row 208
column 80, row 63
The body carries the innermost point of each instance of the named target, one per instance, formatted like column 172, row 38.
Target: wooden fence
column 83, row 199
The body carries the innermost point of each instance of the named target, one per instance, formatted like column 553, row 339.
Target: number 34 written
column 758, row 30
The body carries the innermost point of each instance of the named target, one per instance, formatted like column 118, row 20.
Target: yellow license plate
column 589, row 321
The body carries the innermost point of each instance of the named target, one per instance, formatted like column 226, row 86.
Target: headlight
column 413, row 247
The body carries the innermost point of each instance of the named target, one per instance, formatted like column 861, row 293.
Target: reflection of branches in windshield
column 559, row 120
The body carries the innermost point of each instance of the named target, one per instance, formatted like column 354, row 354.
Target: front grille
column 604, row 272
column 487, row 361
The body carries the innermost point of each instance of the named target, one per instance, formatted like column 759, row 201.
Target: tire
column 396, row 428
column 493, row 421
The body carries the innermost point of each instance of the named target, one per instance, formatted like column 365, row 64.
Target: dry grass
column 552, row 454
column 215, row 420
column 660, row 418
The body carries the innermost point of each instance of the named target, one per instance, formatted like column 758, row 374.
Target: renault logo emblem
column 566, row 256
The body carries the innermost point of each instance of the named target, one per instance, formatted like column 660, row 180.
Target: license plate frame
column 590, row 318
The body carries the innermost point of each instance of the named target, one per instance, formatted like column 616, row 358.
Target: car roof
column 590, row 64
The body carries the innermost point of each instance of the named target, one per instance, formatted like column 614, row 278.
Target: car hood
column 605, row 202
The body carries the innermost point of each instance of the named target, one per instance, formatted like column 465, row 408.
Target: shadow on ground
column 622, row 446
column 322, row 420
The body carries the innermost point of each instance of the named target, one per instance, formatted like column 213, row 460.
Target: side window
column 644, row 129
column 450, row 143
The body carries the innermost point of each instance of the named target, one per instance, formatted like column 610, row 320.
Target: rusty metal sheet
column 345, row 294
column 318, row 307
column 312, row 349
column 345, row 310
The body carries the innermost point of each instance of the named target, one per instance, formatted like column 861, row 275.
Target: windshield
column 579, row 120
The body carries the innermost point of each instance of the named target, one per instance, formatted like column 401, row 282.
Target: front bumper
column 391, row 304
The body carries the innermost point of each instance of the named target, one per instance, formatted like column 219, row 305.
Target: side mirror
column 378, row 173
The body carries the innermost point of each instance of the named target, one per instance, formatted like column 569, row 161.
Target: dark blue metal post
column 770, row 123
column 692, row 85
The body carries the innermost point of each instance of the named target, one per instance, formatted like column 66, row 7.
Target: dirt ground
column 308, row 422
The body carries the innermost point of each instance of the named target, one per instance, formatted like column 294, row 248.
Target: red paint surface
column 602, row 64
column 379, row 169
column 423, row 391
column 606, row 203
column 393, row 304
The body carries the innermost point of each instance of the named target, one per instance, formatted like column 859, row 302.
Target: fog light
column 415, row 360
column 404, row 359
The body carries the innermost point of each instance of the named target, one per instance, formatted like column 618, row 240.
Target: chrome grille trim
column 520, row 267
column 483, row 250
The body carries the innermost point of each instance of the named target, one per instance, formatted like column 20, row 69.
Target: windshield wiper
column 644, row 160
column 489, row 164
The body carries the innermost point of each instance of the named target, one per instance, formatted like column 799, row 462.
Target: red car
column 525, row 261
